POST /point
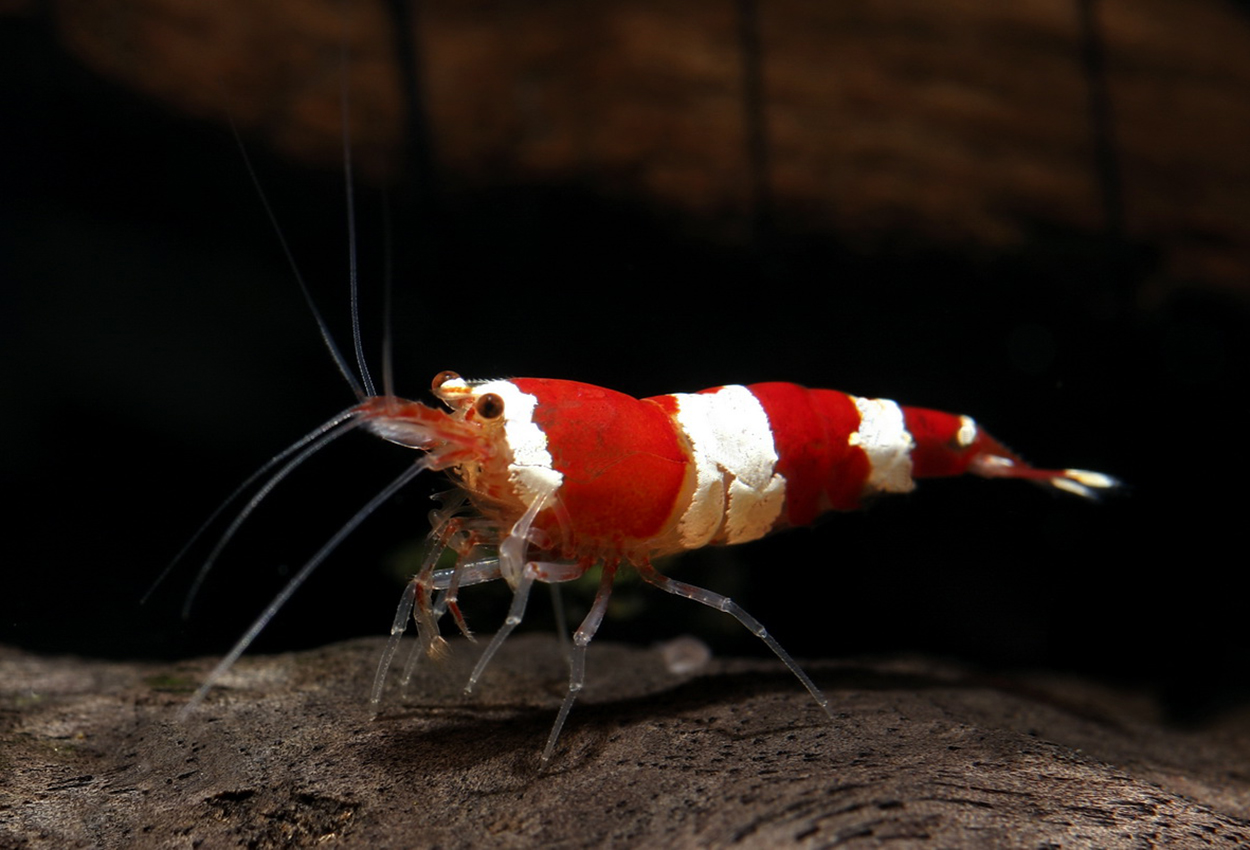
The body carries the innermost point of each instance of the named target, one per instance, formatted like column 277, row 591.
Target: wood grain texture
column 923, row 754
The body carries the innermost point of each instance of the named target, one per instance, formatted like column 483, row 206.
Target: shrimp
column 565, row 475
column 557, row 477
column 553, row 478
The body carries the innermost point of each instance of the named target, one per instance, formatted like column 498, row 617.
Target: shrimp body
column 634, row 479
column 563, row 475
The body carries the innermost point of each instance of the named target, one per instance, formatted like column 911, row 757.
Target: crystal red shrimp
column 557, row 476
column 561, row 476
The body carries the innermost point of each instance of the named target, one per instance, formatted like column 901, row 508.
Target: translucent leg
column 470, row 573
column 415, row 654
column 515, row 614
column 423, row 616
column 459, row 535
column 418, row 650
column 476, row 572
column 531, row 572
column 397, row 632
column 451, row 599
column 577, row 656
column 464, row 574
column 724, row 603
column 519, row 574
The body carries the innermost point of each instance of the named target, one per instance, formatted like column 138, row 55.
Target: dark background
column 156, row 351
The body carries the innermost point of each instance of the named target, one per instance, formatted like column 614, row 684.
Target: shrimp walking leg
column 397, row 631
column 754, row 626
column 445, row 580
column 577, row 655
column 534, row 570
column 449, row 581
column 515, row 614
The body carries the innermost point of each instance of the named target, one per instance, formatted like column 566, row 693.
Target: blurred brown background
column 967, row 124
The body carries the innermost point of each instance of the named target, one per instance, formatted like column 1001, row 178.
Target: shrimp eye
column 442, row 378
column 489, row 406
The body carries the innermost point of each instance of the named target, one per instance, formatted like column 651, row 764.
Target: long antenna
column 324, row 329
column 316, row 434
column 323, row 436
column 388, row 299
column 298, row 579
column 345, row 109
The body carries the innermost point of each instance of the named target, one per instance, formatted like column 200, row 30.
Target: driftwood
column 971, row 125
column 284, row 754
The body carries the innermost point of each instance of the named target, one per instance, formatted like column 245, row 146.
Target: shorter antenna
column 298, row 579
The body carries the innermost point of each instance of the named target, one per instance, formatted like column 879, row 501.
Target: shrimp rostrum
column 558, row 477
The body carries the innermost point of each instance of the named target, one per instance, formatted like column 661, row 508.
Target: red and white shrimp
column 560, row 476
column 556, row 477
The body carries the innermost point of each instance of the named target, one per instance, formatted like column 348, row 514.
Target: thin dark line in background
column 1106, row 160
column 755, row 125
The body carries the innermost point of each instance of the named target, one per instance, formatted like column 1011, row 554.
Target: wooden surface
column 922, row 754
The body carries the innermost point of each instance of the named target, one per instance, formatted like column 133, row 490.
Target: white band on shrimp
column 967, row 433
column 738, row 494
column 884, row 437
column 532, row 470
